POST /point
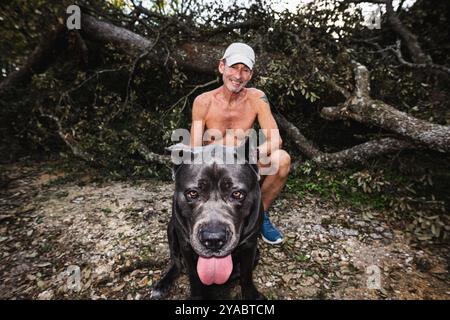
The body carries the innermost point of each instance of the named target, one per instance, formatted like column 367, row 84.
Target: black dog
column 215, row 224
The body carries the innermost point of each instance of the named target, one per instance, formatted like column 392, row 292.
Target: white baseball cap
column 239, row 52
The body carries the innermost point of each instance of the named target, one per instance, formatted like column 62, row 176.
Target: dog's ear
column 179, row 153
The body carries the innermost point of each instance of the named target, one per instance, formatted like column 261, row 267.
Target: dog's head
column 217, row 200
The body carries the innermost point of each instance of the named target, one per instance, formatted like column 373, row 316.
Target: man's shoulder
column 255, row 93
column 257, row 96
column 201, row 104
column 205, row 97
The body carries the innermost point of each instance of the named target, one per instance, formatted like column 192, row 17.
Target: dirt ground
column 85, row 240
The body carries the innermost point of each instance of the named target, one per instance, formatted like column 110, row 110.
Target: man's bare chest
column 221, row 116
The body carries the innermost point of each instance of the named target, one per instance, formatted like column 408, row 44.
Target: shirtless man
column 233, row 106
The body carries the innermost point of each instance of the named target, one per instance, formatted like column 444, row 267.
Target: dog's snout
column 213, row 238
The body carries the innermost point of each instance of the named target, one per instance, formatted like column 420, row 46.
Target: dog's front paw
column 158, row 292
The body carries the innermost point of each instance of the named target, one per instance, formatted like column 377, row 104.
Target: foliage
column 410, row 191
column 95, row 100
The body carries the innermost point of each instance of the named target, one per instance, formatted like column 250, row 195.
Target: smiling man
column 233, row 108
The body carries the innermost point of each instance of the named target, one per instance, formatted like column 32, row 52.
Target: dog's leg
column 162, row 287
column 247, row 263
column 236, row 274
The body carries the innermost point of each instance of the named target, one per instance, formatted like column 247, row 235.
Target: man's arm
column 199, row 109
column 266, row 121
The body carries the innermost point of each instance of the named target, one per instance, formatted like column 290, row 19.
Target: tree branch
column 410, row 39
column 417, row 54
column 355, row 155
column 68, row 138
column 362, row 108
column 422, row 66
column 149, row 156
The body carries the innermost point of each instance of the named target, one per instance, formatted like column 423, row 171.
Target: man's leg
column 273, row 184
column 271, row 187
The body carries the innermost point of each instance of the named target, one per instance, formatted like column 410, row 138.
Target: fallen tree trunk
column 356, row 155
column 200, row 57
column 362, row 108
column 195, row 57
column 379, row 113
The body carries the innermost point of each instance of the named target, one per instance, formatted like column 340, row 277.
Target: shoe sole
column 278, row 241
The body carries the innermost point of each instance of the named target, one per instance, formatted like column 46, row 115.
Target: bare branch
column 330, row 82
column 361, row 153
column 106, row 32
column 68, row 139
column 379, row 50
column 304, row 145
column 423, row 66
column 189, row 94
column 410, row 39
column 131, row 78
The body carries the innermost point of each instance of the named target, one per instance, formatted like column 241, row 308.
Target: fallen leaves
column 116, row 234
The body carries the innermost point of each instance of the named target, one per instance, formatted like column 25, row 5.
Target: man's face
column 235, row 77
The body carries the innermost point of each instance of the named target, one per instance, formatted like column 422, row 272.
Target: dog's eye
column 238, row 195
column 191, row 194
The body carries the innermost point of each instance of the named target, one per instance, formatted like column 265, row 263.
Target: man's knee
column 282, row 160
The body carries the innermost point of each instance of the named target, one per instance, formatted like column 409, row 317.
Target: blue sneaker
column 269, row 233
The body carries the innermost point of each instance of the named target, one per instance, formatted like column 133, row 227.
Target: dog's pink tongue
column 214, row 270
